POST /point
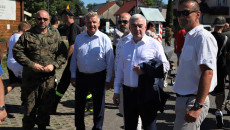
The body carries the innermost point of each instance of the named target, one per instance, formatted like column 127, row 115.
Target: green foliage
column 169, row 14
column 149, row 2
column 3, row 39
column 91, row 6
column 55, row 7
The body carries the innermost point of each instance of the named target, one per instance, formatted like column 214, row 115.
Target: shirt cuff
column 73, row 74
column 116, row 89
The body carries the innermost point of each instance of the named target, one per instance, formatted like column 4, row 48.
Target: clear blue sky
column 103, row 1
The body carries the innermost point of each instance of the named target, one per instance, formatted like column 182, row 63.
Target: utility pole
column 48, row 6
column 108, row 12
column 136, row 7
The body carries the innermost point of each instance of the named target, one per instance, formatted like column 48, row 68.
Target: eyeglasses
column 45, row 19
column 185, row 13
column 123, row 21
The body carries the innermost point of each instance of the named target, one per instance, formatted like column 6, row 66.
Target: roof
column 127, row 6
column 152, row 14
column 105, row 7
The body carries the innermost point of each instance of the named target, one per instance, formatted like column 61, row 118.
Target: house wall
column 13, row 23
column 112, row 11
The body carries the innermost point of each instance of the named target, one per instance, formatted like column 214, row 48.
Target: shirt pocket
column 188, row 53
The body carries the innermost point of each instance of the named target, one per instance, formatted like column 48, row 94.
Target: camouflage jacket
column 30, row 49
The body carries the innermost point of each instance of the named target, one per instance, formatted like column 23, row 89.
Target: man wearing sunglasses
column 197, row 74
column 40, row 51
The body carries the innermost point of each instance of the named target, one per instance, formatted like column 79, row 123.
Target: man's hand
column 3, row 116
column 38, row 67
column 49, row 68
column 73, row 81
column 108, row 85
column 192, row 115
column 116, row 99
column 138, row 70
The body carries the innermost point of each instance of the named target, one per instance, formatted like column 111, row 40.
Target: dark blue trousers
column 133, row 109
column 95, row 84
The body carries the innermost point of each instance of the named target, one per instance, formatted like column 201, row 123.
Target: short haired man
column 54, row 23
column 141, row 48
column 40, row 51
column 74, row 29
column 196, row 76
column 14, row 68
column 219, row 90
column 91, row 70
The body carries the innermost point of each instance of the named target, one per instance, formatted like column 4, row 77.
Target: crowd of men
column 139, row 65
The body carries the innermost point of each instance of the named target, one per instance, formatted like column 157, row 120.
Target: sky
column 103, row 1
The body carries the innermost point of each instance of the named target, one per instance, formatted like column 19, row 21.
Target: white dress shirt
column 92, row 54
column 120, row 44
column 200, row 47
column 12, row 64
column 133, row 54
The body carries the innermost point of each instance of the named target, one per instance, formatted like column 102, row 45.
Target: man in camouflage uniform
column 40, row 51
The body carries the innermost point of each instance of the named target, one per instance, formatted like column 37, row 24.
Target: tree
column 169, row 14
column 91, row 6
column 55, row 7
column 149, row 2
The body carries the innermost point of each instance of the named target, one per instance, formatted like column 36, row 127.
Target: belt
column 130, row 88
column 93, row 74
column 189, row 95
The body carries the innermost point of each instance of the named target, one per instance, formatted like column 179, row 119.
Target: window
column 222, row 2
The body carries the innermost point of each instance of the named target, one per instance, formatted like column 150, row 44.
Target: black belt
column 189, row 95
column 130, row 88
column 93, row 74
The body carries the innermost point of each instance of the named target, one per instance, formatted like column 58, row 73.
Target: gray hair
column 135, row 17
column 92, row 14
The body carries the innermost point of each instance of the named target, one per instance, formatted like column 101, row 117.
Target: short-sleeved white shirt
column 200, row 47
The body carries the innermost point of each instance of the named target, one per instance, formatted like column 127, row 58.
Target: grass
column 4, row 64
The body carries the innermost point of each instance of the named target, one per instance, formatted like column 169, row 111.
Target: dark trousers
column 95, row 84
column 132, row 110
column 65, row 78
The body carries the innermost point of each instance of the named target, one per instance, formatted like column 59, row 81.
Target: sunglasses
column 123, row 21
column 185, row 13
column 40, row 19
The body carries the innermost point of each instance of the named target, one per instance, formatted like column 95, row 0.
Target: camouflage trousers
column 38, row 99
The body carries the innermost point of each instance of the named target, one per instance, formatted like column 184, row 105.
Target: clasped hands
column 45, row 69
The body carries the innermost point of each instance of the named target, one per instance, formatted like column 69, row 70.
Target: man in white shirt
column 196, row 75
column 91, row 70
column 141, row 48
column 14, row 68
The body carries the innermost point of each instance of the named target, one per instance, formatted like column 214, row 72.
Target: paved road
column 64, row 120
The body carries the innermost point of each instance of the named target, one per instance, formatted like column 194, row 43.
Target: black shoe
column 219, row 119
column 42, row 127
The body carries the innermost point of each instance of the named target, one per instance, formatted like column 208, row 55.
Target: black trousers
column 65, row 78
column 132, row 110
column 95, row 84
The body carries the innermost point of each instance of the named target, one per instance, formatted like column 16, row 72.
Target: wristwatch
column 2, row 108
column 197, row 105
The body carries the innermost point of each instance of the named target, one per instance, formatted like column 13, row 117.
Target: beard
column 124, row 30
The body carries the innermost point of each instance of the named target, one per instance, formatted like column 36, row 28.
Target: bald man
column 40, row 51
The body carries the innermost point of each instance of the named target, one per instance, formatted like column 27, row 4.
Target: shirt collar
column 143, row 40
column 96, row 34
column 197, row 28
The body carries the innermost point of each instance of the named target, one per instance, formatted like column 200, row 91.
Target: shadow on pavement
column 68, row 103
column 110, row 106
